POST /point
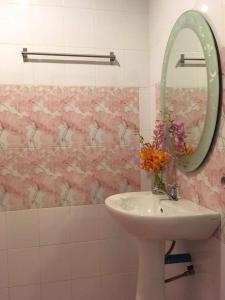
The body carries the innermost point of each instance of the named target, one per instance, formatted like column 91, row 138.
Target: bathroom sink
column 153, row 219
column 150, row 216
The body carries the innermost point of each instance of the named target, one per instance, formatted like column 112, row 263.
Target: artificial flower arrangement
column 155, row 156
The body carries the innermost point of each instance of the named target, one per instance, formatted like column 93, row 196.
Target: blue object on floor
column 177, row 258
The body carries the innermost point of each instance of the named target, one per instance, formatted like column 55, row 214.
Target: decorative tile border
column 66, row 145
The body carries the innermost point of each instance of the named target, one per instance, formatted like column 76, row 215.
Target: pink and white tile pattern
column 43, row 116
column 66, row 145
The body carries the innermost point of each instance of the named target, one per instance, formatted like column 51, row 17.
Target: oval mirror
column 190, row 87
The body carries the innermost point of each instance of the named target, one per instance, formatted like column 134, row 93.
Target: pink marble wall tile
column 66, row 145
column 188, row 106
column 70, row 116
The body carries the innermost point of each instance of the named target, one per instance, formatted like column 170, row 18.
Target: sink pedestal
column 151, row 276
column 152, row 222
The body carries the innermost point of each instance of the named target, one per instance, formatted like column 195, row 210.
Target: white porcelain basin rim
column 146, row 215
column 147, row 205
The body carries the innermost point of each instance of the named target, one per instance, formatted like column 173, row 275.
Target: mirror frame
column 194, row 20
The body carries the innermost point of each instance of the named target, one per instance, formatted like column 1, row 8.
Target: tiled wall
column 75, row 26
column 73, row 252
column 204, row 185
column 65, row 253
column 188, row 106
column 66, row 145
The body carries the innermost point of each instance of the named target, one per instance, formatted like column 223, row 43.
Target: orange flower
column 188, row 150
column 153, row 159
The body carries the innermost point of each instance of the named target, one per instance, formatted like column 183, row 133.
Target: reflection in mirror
column 190, row 88
column 186, row 85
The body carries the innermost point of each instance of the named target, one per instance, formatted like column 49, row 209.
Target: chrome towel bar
column 112, row 58
column 182, row 62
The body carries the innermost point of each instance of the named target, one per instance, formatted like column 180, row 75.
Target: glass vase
column 158, row 186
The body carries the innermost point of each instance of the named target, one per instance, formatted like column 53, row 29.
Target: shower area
column 74, row 74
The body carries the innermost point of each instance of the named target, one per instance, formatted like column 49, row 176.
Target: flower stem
column 159, row 183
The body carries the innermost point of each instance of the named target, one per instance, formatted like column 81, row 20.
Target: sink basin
column 150, row 216
column 153, row 219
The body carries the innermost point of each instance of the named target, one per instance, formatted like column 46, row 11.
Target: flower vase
column 158, row 186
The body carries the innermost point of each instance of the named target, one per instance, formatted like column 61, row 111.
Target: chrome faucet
column 171, row 192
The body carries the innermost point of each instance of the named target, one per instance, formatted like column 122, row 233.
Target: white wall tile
column 15, row 1
column 89, row 4
column 147, row 108
column 87, row 289
column 162, row 16
column 30, row 292
column 78, row 27
column 24, row 266
column 48, row 73
column 4, row 295
column 108, row 29
column 116, row 5
column 131, row 286
column 23, row 228
column 3, row 269
column 47, row 2
column 109, row 227
column 136, row 31
column 136, row 6
column 156, row 62
column 55, row 263
column 84, row 259
column 14, row 23
column 146, row 134
column 56, row 291
column 54, row 225
column 71, row 28
column 135, row 68
column 13, row 69
column 80, row 74
column 121, row 30
column 115, row 258
column 207, row 261
column 3, row 238
column 84, row 223
column 215, row 16
column 110, row 75
column 222, row 271
column 115, row 287
column 50, row 33
column 182, row 6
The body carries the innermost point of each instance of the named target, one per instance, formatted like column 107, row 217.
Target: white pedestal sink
column 153, row 221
